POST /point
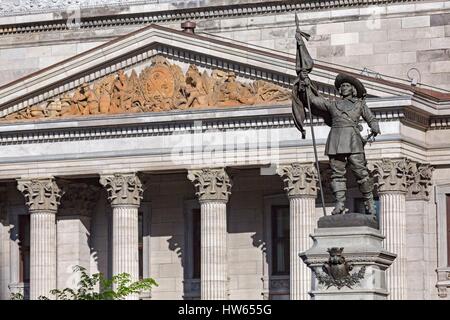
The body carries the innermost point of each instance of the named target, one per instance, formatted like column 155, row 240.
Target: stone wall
column 168, row 195
column 389, row 39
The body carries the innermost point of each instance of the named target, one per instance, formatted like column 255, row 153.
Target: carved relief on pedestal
column 299, row 179
column 123, row 189
column 211, row 184
column 392, row 175
column 40, row 194
column 419, row 182
column 160, row 87
column 79, row 199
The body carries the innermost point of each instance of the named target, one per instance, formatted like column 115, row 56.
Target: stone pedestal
column 125, row 193
column 348, row 262
column 213, row 189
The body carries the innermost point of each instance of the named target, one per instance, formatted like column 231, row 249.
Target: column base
column 348, row 263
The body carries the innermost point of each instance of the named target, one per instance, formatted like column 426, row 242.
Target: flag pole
column 315, row 155
column 312, row 130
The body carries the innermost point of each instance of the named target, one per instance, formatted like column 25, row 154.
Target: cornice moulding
column 47, row 19
column 173, row 122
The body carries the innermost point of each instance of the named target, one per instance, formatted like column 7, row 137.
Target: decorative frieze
column 40, row 194
column 211, row 184
column 299, row 179
column 124, row 189
column 161, row 87
column 79, row 199
column 14, row 7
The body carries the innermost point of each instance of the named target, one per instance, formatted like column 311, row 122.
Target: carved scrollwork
column 123, row 189
column 211, row 184
column 40, row 194
column 299, row 179
column 160, row 87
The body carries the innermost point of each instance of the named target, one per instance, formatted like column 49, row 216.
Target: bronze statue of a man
column 345, row 145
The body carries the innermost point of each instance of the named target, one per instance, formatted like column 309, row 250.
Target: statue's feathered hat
column 343, row 77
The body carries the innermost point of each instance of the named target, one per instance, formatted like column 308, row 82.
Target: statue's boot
column 369, row 204
column 366, row 188
column 339, row 188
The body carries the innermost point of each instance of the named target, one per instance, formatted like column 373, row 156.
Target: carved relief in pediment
column 160, row 87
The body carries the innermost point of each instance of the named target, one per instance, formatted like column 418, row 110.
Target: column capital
column 124, row 189
column 41, row 194
column 79, row 198
column 419, row 181
column 211, row 184
column 300, row 179
column 392, row 175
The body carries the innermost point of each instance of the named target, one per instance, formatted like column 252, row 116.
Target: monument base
column 348, row 262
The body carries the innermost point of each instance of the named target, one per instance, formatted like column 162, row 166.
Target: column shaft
column 214, row 278
column 213, row 189
column 393, row 227
column 125, row 254
column 302, row 222
column 125, row 193
column 300, row 184
column 43, row 253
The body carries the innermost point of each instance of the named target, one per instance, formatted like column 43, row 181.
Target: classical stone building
column 131, row 144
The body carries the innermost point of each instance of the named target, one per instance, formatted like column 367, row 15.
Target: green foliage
column 17, row 296
column 116, row 288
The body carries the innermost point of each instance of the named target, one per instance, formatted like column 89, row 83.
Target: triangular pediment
column 160, row 86
column 161, row 69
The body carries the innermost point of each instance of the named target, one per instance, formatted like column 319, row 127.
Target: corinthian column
column 392, row 187
column 42, row 197
column 213, row 188
column 125, row 194
column 300, row 184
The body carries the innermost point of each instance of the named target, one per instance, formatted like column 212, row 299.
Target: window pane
column 196, row 244
column 281, row 267
column 448, row 229
column 24, row 247
column 141, row 244
column 280, row 240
